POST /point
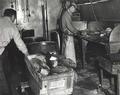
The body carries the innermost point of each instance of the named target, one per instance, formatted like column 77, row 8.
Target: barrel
column 28, row 40
column 42, row 47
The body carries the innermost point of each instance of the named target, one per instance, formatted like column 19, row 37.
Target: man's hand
column 26, row 54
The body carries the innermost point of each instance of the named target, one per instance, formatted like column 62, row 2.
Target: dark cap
column 9, row 12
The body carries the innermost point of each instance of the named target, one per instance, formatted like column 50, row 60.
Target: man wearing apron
column 8, row 31
column 68, row 48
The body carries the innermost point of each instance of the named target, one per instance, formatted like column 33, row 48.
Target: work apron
column 68, row 48
column 4, row 87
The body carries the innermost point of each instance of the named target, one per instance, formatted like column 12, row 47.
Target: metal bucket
column 42, row 47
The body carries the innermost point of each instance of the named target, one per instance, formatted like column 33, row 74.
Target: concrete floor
column 87, row 83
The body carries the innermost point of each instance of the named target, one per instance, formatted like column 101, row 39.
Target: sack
column 59, row 69
column 67, row 62
column 40, row 67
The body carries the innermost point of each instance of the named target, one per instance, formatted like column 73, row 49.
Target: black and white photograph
column 59, row 47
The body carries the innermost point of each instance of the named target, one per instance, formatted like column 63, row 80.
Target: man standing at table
column 68, row 48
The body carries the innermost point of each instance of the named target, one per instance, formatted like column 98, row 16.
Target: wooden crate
column 56, row 84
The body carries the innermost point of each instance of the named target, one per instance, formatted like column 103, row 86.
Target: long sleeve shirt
column 9, row 31
column 67, row 22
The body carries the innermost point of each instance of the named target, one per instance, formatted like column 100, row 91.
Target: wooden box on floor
column 56, row 84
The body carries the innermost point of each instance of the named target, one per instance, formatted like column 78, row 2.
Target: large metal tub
column 29, row 40
column 42, row 47
column 115, row 40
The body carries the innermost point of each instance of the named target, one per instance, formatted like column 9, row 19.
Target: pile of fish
column 49, row 64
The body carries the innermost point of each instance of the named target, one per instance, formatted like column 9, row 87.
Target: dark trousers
column 4, row 74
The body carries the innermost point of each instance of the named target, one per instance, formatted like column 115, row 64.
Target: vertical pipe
column 47, row 34
column 118, row 83
column 16, row 11
column 43, row 22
